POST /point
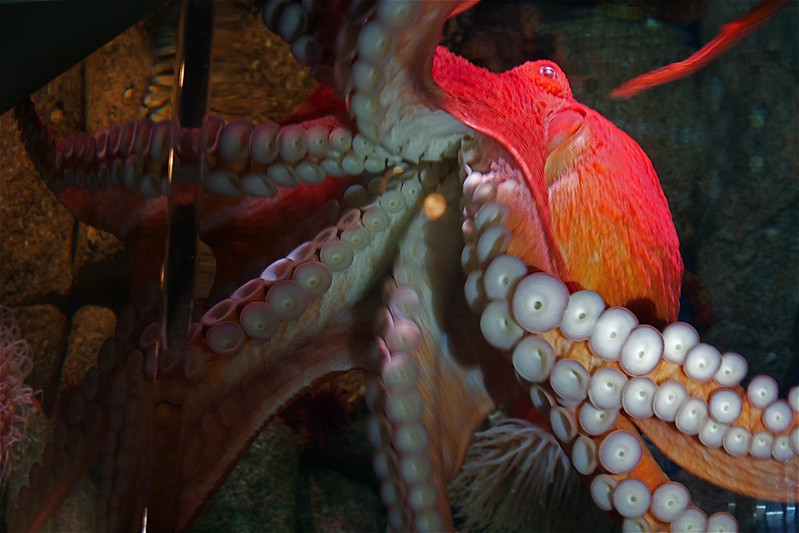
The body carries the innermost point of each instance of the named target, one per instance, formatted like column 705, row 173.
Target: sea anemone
column 16, row 398
column 515, row 477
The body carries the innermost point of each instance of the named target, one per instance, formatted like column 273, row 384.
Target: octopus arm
column 222, row 389
column 730, row 35
column 427, row 402
column 115, row 181
column 229, row 417
column 265, row 375
column 766, row 479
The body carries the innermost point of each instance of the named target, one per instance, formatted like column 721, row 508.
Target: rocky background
column 725, row 143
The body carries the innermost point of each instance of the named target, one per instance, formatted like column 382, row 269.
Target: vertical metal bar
column 185, row 178
column 191, row 100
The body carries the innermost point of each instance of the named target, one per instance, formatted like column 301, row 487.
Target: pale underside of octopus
column 433, row 167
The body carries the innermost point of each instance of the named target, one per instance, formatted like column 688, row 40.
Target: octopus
column 479, row 240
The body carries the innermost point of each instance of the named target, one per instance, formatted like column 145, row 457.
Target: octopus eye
column 548, row 72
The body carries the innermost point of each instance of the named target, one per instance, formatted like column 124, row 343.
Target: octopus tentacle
column 272, row 319
column 270, row 228
column 406, row 119
column 307, row 297
column 729, row 36
column 421, row 382
column 593, row 387
column 313, row 31
column 396, row 103
column 241, row 157
column 559, row 165
column 308, row 164
column 545, row 189
column 104, row 417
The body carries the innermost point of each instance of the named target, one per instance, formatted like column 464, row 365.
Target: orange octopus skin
column 605, row 224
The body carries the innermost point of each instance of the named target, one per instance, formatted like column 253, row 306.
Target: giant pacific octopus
column 417, row 165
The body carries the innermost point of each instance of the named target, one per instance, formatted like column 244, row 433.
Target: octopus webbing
column 428, row 165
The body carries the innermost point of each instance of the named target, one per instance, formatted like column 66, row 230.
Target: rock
column 260, row 493
column 339, row 502
column 91, row 325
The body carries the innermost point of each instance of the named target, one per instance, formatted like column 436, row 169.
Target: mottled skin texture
column 585, row 205
column 605, row 223
column 602, row 207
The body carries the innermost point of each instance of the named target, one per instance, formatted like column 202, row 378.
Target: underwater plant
column 16, row 398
